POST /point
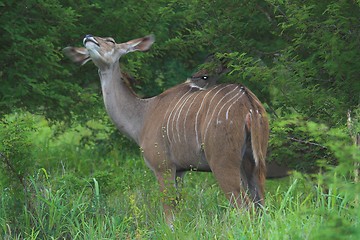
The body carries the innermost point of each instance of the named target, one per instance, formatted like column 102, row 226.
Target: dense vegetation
column 66, row 172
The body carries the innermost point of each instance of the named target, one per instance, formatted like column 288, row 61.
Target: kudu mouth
column 90, row 38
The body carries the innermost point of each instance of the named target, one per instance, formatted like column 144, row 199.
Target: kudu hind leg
column 250, row 176
column 229, row 179
column 250, row 179
column 239, row 180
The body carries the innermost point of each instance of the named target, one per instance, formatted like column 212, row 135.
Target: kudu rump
column 222, row 129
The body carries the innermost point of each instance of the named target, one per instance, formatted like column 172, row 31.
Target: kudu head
column 208, row 76
column 105, row 52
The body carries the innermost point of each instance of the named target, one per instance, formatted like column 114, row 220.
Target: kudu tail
column 257, row 128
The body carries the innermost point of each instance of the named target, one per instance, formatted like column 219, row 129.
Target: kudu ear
column 140, row 44
column 77, row 55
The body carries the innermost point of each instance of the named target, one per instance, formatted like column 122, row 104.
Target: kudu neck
column 125, row 109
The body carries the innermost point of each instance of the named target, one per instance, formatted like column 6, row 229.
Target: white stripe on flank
column 187, row 112
column 197, row 115
column 227, row 111
column 215, row 110
column 168, row 120
column 217, row 119
column 175, row 112
column 167, row 110
column 207, row 112
column 179, row 113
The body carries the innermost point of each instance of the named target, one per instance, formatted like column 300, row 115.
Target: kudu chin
column 222, row 129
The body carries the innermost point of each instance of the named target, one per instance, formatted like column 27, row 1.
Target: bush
column 17, row 163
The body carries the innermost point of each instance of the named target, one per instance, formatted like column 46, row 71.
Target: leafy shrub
column 17, row 163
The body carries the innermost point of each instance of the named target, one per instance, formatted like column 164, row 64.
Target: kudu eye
column 110, row 40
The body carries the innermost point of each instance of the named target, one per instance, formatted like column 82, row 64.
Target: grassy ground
column 73, row 208
column 74, row 194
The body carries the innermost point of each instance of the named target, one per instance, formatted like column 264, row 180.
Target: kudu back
column 223, row 129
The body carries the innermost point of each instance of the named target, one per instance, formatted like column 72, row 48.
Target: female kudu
column 222, row 129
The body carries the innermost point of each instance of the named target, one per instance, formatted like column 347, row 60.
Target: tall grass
column 295, row 211
column 76, row 194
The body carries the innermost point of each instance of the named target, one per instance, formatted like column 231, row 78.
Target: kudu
column 222, row 129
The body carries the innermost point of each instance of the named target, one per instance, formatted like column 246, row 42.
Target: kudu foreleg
column 168, row 189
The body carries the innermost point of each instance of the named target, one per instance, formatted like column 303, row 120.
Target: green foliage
column 297, row 143
column 307, row 146
column 16, row 148
column 17, row 162
column 31, row 152
column 323, row 42
column 30, row 57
